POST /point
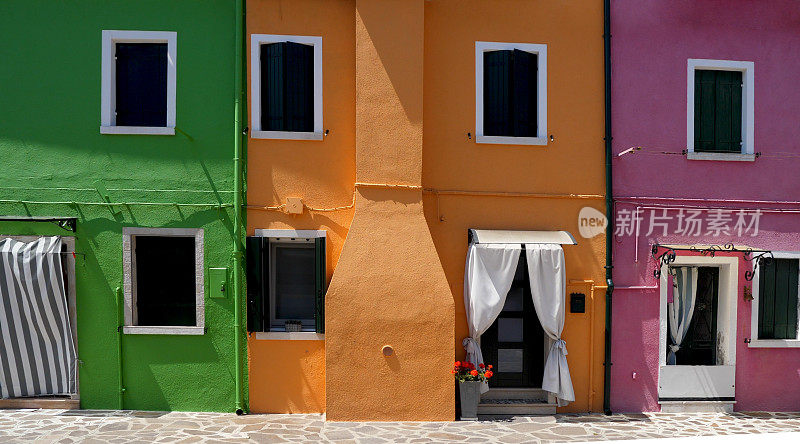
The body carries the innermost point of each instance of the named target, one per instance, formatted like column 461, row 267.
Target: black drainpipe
column 609, row 206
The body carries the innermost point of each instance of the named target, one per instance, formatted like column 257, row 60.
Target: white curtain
column 681, row 309
column 548, row 289
column 487, row 279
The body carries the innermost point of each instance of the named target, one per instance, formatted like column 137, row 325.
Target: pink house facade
column 706, row 179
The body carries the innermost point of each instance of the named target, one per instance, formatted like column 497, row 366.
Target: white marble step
column 515, row 393
column 519, row 407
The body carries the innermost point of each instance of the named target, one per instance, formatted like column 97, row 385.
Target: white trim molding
column 256, row 40
column 770, row 343
column 748, row 108
column 298, row 234
column 541, row 86
column 129, row 278
column 108, row 120
column 289, row 336
column 702, row 381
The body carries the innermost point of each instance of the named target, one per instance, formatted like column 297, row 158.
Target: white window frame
column 748, row 108
column 108, row 119
column 129, row 277
column 256, row 40
column 770, row 343
column 283, row 335
column 541, row 110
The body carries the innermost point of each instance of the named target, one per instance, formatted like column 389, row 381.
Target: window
column 776, row 302
column 511, row 93
column 286, row 87
column 720, row 110
column 138, row 82
column 163, row 272
column 286, row 281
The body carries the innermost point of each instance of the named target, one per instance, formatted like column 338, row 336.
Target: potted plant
column 469, row 386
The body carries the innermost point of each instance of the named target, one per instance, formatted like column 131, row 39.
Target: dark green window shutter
column 497, row 93
column 299, row 87
column 718, row 111
column 777, row 299
column 272, row 87
column 321, row 275
column 141, row 84
column 257, row 249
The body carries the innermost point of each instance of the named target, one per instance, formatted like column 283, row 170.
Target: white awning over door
column 477, row 236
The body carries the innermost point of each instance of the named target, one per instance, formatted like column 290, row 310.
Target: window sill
column 151, row 330
column 774, row 343
column 736, row 157
column 290, row 336
column 141, row 130
column 286, row 135
column 506, row 140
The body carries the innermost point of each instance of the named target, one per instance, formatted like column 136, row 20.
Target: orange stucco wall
column 399, row 100
column 572, row 163
column 320, row 172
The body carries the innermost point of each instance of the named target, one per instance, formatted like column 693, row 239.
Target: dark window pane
column 295, row 282
column 287, row 87
column 141, row 84
column 510, row 106
column 165, row 280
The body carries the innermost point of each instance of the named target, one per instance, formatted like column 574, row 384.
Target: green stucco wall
column 52, row 151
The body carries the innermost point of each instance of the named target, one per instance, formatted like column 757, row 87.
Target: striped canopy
column 38, row 355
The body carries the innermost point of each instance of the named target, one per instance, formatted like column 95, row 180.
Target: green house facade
column 121, row 135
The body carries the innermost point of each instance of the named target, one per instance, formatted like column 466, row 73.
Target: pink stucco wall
column 652, row 40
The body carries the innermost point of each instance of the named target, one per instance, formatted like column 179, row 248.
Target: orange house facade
column 400, row 151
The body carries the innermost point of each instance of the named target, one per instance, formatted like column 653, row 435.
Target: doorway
column 699, row 346
column 514, row 343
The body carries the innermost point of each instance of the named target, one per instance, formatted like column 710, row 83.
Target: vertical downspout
column 237, row 201
column 120, row 325
column 609, row 206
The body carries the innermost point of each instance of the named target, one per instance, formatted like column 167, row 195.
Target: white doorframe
column 695, row 382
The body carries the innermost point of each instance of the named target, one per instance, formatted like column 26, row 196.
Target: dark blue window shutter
column 257, row 250
column 141, row 84
column 272, row 87
column 525, row 65
column 321, row 276
column 299, row 87
column 497, row 93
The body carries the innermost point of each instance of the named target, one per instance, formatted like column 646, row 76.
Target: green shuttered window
column 141, row 84
column 718, row 111
column 509, row 93
column 287, row 87
column 777, row 298
column 285, row 282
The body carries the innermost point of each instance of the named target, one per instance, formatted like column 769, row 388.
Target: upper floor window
column 720, row 110
column 286, row 87
column 511, row 93
column 138, row 82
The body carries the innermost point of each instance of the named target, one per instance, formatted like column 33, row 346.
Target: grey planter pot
column 470, row 392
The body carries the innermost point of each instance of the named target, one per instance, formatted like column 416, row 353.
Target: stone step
column 515, row 407
column 515, row 393
column 41, row 403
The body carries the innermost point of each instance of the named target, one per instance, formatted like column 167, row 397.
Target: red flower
column 490, row 366
column 458, row 364
column 453, row 372
column 488, row 374
column 481, row 365
column 474, row 373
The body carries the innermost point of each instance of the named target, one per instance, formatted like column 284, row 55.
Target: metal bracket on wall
column 668, row 256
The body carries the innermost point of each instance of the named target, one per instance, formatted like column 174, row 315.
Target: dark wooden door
column 514, row 344
column 699, row 346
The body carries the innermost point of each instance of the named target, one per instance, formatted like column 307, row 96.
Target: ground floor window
column 164, row 276
column 777, row 302
column 286, row 282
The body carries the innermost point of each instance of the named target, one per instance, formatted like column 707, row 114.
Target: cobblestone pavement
column 136, row 426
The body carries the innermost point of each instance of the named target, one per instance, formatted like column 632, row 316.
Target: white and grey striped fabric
column 37, row 356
